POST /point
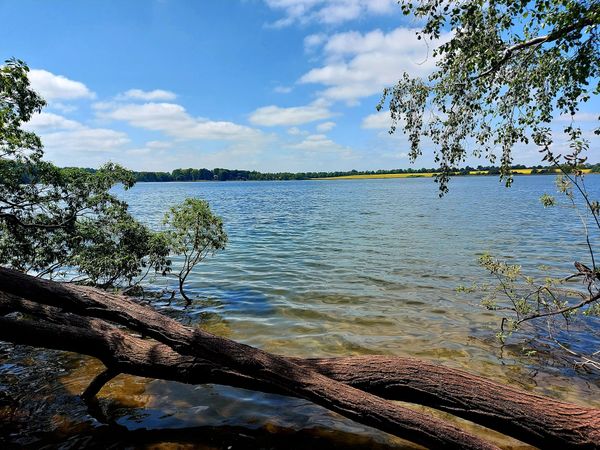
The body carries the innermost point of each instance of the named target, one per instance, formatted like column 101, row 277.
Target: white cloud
column 85, row 140
column 54, row 87
column 65, row 136
column 325, row 127
column 312, row 41
column 378, row 121
column 155, row 95
column 105, row 105
column 270, row 116
column 295, row 131
column 142, row 151
column 173, row 120
column 45, row 121
column 62, row 107
column 359, row 65
column 331, row 12
column 159, row 144
column 396, row 155
column 322, row 144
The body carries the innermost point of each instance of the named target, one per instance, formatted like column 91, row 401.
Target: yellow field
column 380, row 175
column 528, row 171
column 424, row 175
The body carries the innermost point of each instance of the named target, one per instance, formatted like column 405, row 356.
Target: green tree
column 193, row 232
column 507, row 69
column 65, row 223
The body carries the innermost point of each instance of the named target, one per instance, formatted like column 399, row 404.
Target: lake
column 321, row 268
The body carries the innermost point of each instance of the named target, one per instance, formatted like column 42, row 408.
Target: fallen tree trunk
column 284, row 375
column 531, row 418
column 534, row 419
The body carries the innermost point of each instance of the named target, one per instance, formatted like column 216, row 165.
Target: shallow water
column 319, row 268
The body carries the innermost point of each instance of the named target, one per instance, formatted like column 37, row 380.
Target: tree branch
column 537, row 41
column 98, row 383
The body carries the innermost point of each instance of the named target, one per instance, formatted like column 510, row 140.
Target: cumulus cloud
column 85, row 140
column 173, row 120
column 73, row 142
column 159, row 144
column 270, row 116
column 312, row 41
column 46, row 121
column 378, row 121
column 62, row 107
column 320, row 143
column 62, row 135
column 580, row 117
column 396, row 155
column 295, row 131
column 331, row 12
column 358, row 65
column 155, row 95
column 325, row 127
column 57, row 87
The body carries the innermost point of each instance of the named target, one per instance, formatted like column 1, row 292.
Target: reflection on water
column 316, row 269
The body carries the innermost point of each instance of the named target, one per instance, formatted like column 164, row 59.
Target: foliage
column 252, row 175
column 115, row 248
column 67, row 223
column 503, row 73
column 193, row 232
column 17, row 104
column 63, row 221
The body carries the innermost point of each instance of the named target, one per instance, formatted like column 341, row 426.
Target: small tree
column 193, row 232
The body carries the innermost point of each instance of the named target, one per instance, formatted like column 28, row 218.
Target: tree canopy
column 57, row 222
column 503, row 73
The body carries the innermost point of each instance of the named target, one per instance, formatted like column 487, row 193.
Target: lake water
column 321, row 268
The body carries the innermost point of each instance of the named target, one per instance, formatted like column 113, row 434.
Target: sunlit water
column 319, row 268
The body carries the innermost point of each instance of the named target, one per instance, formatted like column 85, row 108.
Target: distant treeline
column 253, row 175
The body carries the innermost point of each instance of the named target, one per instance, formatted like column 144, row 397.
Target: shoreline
column 517, row 172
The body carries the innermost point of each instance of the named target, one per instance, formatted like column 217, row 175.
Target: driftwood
column 96, row 323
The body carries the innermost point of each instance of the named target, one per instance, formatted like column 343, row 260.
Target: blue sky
column 251, row 84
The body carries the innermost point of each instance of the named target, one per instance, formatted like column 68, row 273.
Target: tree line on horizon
column 220, row 174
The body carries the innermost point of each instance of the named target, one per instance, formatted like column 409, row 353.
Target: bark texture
column 96, row 323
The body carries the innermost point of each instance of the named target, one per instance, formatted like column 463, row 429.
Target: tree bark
column 339, row 384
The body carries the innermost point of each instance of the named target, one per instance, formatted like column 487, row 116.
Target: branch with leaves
column 504, row 70
column 529, row 300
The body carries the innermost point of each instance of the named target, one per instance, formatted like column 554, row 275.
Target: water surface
column 323, row 268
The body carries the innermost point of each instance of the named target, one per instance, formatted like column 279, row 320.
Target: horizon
column 264, row 84
column 412, row 168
